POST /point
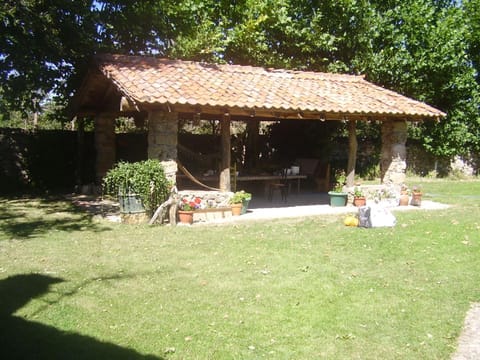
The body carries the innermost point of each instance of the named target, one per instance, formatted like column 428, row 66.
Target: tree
column 41, row 43
column 472, row 21
column 428, row 50
column 420, row 49
column 46, row 45
column 295, row 34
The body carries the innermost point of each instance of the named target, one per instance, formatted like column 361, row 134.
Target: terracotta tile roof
column 149, row 80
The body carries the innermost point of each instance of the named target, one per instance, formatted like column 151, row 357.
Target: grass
column 72, row 286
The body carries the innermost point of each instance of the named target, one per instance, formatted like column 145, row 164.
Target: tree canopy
column 429, row 50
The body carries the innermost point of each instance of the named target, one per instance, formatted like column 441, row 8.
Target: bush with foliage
column 144, row 178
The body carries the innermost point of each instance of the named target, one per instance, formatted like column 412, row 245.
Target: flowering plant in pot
column 239, row 202
column 387, row 196
column 240, row 196
column 416, row 196
column 359, row 198
column 190, row 204
column 404, row 195
column 338, row 197
column 186, row 207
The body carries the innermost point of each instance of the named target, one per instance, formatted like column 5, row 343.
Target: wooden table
column 270, row 178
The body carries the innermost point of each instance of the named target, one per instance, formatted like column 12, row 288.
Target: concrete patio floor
column 307, row 204
column 304, row 204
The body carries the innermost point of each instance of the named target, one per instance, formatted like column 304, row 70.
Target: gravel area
column 469, row 341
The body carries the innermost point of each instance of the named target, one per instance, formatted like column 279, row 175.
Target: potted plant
column 186, row 208
column 338, row 197
column 386, row 196
column 404, row 196
column 239, row 202
column 416, row 196
column 140, row 186
column 359, row 198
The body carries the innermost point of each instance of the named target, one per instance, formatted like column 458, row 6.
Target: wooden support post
column 226, row 154
column 80, row 151
column 251, row 154
column 352, row 152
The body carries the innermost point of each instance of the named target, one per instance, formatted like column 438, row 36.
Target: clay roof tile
column 156, row 80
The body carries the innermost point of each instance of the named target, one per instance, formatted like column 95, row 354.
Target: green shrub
column 144, row 178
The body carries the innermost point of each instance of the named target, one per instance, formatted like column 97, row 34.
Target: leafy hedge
column 144, row 178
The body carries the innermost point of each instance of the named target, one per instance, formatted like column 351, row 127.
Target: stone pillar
column 394, row 153
column 105, row 146
column 162, row 141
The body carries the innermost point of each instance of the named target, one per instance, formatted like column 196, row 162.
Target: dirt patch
column 97, row 206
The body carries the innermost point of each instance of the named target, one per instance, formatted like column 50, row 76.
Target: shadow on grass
column 23, row 339
column 23, row 218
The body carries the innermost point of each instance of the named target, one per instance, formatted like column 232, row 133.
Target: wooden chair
column 282, row 186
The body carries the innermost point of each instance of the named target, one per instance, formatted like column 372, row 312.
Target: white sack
column 381, row 217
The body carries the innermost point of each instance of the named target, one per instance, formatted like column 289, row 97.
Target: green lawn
column 76, row 287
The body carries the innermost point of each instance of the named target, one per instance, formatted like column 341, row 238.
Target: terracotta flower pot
column 416, row 199
column 359, row 201
column 185, row 217
column 404, row 199
column 236, row 209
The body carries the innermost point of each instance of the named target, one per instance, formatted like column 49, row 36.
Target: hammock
column 192, row 178
column 172, row 200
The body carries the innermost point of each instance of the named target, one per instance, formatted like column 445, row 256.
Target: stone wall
column 206, row 199
column 211, row 204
